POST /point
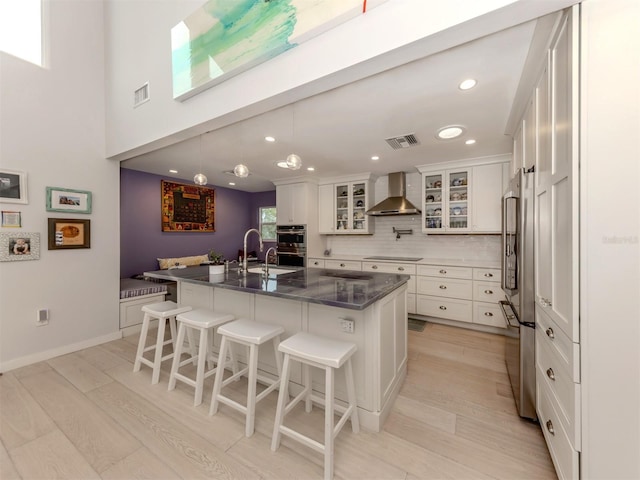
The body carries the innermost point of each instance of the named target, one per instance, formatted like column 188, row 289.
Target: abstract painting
column 224, row 38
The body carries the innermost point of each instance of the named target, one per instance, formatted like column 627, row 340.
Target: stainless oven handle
column 294, row 254
column 510, row 317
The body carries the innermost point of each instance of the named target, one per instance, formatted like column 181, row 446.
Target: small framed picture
column 13, row 186
column 65, row 233
column 11, row 219
column 68, row 200
column 19, row 246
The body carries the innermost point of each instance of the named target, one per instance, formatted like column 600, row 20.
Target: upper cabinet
column 463, row 197
column 294, row 202
column 342, row 206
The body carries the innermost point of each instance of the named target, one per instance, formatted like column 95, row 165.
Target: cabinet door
column 487, row 196
column 292, row 204
column 458, row 196
column 359, row 218
column 342, row 202
column 530, row 133
column 326, row 203
column 432, row 207
column 518, row 152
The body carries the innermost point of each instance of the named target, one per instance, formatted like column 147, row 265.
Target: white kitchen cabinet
column 445, row 292
column 486, row 295
column 465, row 199
column 293, row 203
column 315, row 263
column 518, row 151
column 344, row 212
column 402, row 268
column 336, row 264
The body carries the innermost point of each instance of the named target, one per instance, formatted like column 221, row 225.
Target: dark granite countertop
column 344, row 288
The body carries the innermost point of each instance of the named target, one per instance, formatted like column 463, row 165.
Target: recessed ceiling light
column 310, row 169
column 282, row 164
column 467, row 84
column 270, row 139
column 471, row 141
column 449, row 132
column 375, row 157
column 232, row 183
column 173, row 171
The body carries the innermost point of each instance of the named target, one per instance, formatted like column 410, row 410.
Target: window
column 21, row 29
column 268, row 223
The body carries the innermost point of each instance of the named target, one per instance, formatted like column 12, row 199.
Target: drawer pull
column 545, row 302
column 374, row 267
column 550, row 374
column 316, row 263
column 443, row 271
column 342, row 265
column 550, row 333
column 401, row 269
column 488, row 314
column 442, row 307
column 489, row 292
column 550, row 427
column 488, row 275
column 443, row 287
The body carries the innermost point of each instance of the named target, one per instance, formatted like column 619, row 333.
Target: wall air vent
column 141, row 95
column 404, row 141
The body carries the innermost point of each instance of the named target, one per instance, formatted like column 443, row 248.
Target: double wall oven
column 292, row 245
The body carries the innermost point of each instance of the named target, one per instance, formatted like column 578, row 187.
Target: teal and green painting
column 226, row 37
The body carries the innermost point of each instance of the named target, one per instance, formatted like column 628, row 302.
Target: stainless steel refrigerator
column 518, row 286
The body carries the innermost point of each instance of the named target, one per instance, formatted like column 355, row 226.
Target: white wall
column 139, row 50
column 52, row 123
column 610, row 245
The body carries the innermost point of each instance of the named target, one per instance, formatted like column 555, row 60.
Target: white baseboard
column 56, row 352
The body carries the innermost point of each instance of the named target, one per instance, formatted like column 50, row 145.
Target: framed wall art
column 19, row 246
column 65, row 233
column 13, row 186
column 11, row 219
column 68, row 200
column 187, row 208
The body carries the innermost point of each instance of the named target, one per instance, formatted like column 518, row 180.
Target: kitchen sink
column 272, row 270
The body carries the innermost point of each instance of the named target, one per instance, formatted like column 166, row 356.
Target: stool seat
column 162, row 311
column 202, row 320
column 250, row 332
column 332, row 353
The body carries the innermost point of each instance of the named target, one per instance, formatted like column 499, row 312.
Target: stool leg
column 328, row 424
column 157, row 361
column 282, row 399
column 217, row 383
column 251, row 390
column 172, row 329
column 351, row 392
column 276, row 343
column 210, row 345
column 306, row 381
column 192, row 342
column 142, row 341
column 177, row 355
column 202, row 357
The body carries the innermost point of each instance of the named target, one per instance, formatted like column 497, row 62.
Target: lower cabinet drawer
column 315, row 263
column 445, row 287
column 451, row 309
column 487, row 292
column 411, row 303
column 564, row 456
column 343, row 265
column 488, row 314
column 131, row 308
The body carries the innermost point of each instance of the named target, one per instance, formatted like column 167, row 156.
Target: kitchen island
column 366, row 308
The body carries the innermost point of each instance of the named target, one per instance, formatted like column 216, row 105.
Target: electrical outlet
column 42, row 317
column 346, row 325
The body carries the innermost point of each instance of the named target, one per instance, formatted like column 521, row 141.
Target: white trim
column 465, row 162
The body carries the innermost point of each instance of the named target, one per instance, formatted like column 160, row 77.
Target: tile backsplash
column 384, row 241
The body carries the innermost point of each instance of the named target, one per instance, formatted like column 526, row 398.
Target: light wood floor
column 86, row 415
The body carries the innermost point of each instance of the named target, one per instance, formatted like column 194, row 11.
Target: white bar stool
column 162, row 311
column 201, row 320
column 251, row 334
column 314, row 351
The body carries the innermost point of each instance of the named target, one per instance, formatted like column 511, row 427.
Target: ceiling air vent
column 141, row 95
column 404, row 141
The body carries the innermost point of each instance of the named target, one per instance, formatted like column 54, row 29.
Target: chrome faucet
column 244, row 256
column 266, row 260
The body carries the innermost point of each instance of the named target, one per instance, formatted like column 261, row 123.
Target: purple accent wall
column 142, row 241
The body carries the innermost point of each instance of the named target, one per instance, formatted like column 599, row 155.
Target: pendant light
column 200, row 178
column 241, row 171
column 294, row 162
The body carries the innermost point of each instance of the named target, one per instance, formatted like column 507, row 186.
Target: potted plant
column 216, row 265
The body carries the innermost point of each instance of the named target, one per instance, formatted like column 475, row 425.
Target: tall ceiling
column 337, row 132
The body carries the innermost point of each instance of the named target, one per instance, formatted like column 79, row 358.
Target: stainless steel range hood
column 396, row 203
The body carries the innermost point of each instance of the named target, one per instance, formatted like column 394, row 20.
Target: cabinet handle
column 442, row 307
column 550, row 427
column 488, row 275
column 545, row 302
column 488, row 314
column 443, row 271
column 443, row 287
column 550, row 333
column 550, row 374
column 489, row 292
column 401, row 269
column 316, row 263
column 375, row 267
column 342, row 265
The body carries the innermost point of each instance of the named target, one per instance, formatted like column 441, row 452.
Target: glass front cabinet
column 351, row 204
column 446, row 201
